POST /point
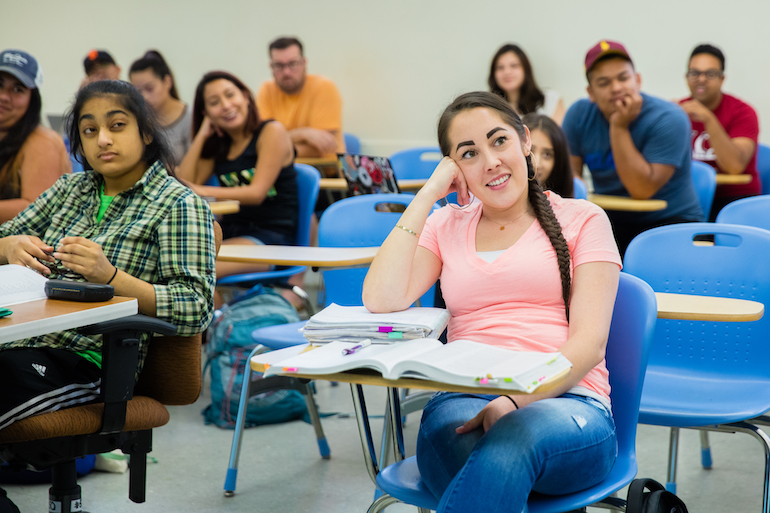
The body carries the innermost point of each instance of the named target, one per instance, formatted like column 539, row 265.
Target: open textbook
column 18, row 284
column 354, row 323
column 461, row 362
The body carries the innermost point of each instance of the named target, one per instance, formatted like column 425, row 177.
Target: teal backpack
column 228, row 349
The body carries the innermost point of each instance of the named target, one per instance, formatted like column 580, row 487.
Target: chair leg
column 240, row 421
column 315, row 418
column 745, row 427
column 64, row 494
column 673, row 450
column 705, row 450
column 382, row 502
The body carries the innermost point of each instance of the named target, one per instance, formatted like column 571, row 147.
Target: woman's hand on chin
column 446, row 179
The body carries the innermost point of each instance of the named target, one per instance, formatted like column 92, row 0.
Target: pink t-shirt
column 515, row 301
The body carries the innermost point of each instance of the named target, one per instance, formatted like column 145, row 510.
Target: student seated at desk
column 253, row 161
column 127, row 223
column 521, row 269
column 32, row 157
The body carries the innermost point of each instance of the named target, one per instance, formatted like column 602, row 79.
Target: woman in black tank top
column 252, row 161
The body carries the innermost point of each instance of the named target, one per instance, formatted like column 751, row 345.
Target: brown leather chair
column 171, row 376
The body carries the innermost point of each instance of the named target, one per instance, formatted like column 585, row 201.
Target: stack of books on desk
column 355, row 323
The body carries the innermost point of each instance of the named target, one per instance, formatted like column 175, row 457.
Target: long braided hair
column 537, row 198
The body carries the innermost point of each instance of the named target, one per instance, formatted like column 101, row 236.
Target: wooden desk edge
column 421, row 384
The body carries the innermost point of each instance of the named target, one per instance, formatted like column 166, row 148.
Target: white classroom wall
column 397, row 62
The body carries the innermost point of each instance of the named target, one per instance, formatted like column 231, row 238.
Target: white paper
column 18, row 284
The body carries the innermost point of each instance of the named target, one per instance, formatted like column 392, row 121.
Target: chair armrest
column 133, row 323
column 120, row 359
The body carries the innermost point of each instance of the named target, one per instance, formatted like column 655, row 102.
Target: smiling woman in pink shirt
column 520, row 268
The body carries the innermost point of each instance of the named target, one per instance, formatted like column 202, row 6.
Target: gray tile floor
column 281, row 470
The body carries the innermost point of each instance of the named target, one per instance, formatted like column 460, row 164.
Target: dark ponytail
column 552, row 228
column 153, row 60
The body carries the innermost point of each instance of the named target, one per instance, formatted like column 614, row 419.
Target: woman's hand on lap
column 488, row 416
column 86, row 258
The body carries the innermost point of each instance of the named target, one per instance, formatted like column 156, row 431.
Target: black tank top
column 279, row 212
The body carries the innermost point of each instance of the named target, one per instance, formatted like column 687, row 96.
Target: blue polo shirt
column 661, row 133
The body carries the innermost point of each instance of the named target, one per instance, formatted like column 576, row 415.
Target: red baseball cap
column 603, row 48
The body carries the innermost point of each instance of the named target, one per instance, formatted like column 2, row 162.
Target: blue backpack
column 228, row 348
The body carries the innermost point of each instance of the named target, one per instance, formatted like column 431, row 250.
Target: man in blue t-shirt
column 634, row 144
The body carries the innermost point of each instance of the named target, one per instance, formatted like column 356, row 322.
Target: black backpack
column 656, row 500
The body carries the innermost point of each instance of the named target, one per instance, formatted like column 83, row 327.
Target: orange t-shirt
column 318, row 105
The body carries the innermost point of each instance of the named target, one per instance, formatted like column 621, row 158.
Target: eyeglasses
column 694, row 74
column 280, row 66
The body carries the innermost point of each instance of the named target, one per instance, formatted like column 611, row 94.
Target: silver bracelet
column 407, row 230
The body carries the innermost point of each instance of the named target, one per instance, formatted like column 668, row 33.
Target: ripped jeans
column 553, row 446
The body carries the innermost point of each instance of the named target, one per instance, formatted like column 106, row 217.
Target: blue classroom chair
column 415, row 163
column 352, row 144
column 579, row 189
column 707, row 375
column 633, row 322
column 754, row 211
column 308, row 185
column 704, row 179
column 351, row 222
column 763, row 167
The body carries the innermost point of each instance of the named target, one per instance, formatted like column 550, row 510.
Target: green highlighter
column 4, row 312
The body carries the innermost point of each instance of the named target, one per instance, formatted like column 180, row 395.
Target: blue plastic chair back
column 308, row 185
column 352, row 143
column 704, row 179
column 707, row 360
column 763, row 167
column 579, row 189
column 754, row 211
column 631, row 331
column 415, row 163
column 355, row 222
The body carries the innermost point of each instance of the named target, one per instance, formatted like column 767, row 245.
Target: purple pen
column 356, row 348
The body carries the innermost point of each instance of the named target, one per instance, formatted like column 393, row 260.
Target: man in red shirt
column 724, row 129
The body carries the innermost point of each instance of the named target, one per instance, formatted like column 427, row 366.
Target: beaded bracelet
column 514, row 402
column 407, row 230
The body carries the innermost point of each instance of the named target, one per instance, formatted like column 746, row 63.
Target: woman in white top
column 152, row 76
column 511, row 77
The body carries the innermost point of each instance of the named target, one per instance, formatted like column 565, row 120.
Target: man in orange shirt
column 309, row 106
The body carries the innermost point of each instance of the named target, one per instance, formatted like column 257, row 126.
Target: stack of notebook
column 355, row 323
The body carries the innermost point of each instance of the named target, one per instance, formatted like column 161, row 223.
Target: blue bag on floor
column 228, row 348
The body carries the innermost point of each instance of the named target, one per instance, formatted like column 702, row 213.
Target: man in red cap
column 634, row 144
column 725, row 130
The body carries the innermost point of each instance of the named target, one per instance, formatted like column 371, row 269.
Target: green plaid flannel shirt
column 158, row 231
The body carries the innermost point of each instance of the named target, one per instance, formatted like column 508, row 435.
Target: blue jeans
column 553, row 446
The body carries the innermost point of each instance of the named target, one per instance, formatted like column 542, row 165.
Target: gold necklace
column 502, row 226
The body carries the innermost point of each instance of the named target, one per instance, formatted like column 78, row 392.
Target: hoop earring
column 471, row 197
column 530, row 168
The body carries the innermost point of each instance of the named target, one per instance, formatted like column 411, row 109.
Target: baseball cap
column 22, row 66
column 95, row 58
column 605, row 47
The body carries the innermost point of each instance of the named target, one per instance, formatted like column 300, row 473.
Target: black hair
column 537, row 198
column 11, row 144
column 531, row 97
column 284, row 42
column 152, row 59
column 132, row 100
column 711, row 50
column 217, row 146
column 560, row 180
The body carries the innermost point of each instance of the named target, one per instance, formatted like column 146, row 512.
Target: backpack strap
column 636, row 495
